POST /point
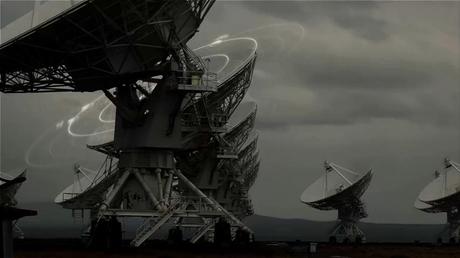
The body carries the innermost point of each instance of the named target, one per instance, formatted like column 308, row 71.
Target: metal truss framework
column 94, row 45
column 212, row 110
column 9, row 213
column 238, row 175
column 240, row 134
column 106, row 148
column 228, row 143
column 102, row 44
column 453, row 228
column 198, row 115
column 170, row 203
column 350, row 211
column 349, row 215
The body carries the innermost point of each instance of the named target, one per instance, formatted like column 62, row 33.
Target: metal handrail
column 197, row 79
column 192, row 120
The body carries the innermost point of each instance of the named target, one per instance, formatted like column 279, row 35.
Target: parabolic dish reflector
column 444, row 190
column 226, row 56
column 4, row 177
column 81, row 184
column 336, row 187
column 87, row 190
column 97, row 44
column 9, row 185
column 425, row 207
column 12, row 176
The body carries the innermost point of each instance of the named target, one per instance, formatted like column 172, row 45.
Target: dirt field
column 260, row 251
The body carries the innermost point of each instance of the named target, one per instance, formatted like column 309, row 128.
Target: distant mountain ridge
column 55, row 222
column 277, row 229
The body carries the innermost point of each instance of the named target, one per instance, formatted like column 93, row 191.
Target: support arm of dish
column 334, row 168
column 346, row 169
column 132, row 115
column 455, row 165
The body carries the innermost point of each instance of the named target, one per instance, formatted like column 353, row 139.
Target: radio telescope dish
column 445, row 188
column 165, row 97
column 87, row 189
column 84, row 179
column 225, row 57
column 419, row 205
column 443, row 195
column 9, row 185
column 335, row 187
column 340, row 189
column 97, row 45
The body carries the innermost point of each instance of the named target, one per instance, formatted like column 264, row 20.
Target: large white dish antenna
column 87, row 189
column 226, row 56
column 443, row 195
column 445, row 188
column 336, row 187
column 84, row 178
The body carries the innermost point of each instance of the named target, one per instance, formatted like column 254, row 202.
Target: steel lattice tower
column 167, row 104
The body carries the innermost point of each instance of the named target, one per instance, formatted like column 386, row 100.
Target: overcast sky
column 362, row 84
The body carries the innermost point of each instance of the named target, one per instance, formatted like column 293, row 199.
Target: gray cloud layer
column 368, row 85
column 356, row 17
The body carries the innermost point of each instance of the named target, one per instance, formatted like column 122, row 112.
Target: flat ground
column 260, row 250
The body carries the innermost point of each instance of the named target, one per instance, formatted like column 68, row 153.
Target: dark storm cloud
column 351, row 88
column 290, row 106
column 356, row 17
column 306, row 108
column 334, row 77
column 338, row 94
column 324, row 72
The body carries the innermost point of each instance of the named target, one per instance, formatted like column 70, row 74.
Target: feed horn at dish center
column 182, row 150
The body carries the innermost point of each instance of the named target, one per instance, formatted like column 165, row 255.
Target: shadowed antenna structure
column 340, row 189
column 175, row 155
column 442, row 195
column 9, row 213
